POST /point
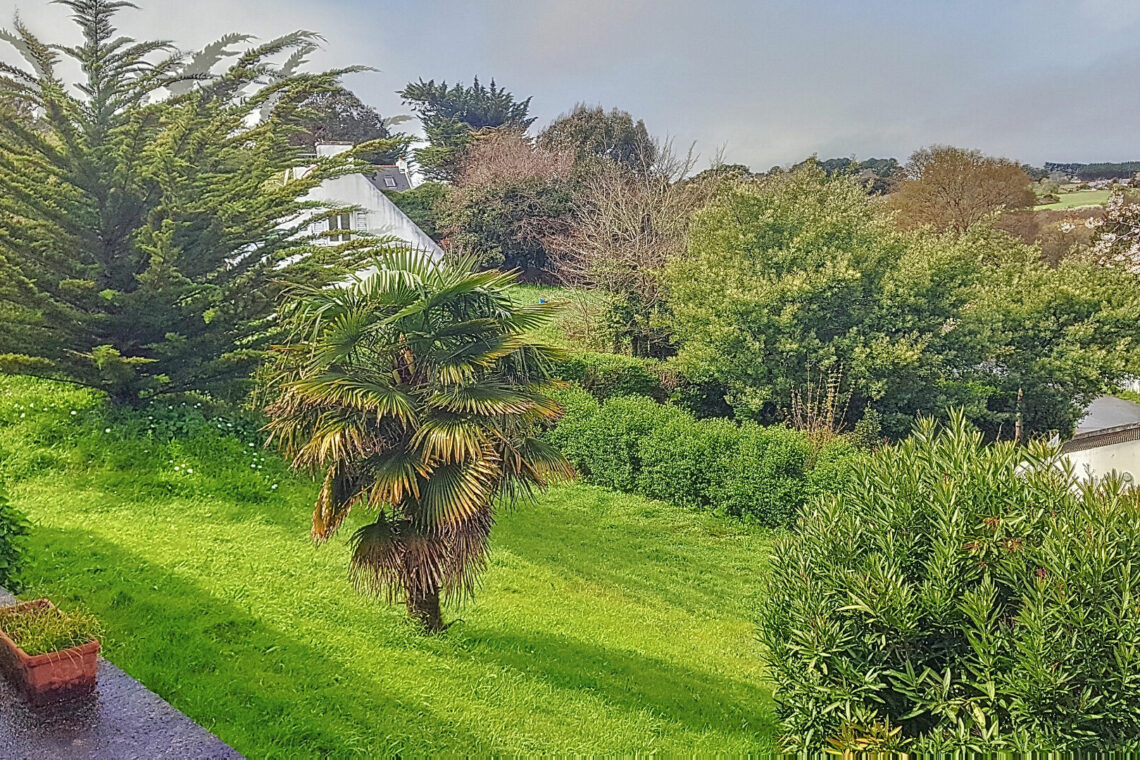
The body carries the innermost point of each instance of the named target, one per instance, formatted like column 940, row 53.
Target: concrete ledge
column 121, row 720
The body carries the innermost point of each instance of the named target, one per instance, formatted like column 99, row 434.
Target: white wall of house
column 375, row 213
column 1101, row 460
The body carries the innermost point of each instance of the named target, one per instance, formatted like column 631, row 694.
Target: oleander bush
column 13, row 529
column 953, row 596
column 634, row 444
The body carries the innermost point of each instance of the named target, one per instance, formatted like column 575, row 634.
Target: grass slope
column 578, row 324
column 606, row 623
column 1077, row 199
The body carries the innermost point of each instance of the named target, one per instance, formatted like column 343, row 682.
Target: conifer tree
column 151, row 212
column 451, row 116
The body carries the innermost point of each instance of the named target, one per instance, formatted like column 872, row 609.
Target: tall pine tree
column 450, row 117
column 151, row 212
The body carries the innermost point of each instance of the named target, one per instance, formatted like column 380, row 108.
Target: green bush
column 834, row 464
column 683, row 460
column 608, row 376
column 763, row 474
column 612, row 445
column 957, row 596
column 13, row 528
column 766, row 475
column 573, row 433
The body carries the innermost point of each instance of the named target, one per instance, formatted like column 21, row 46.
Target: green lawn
column 1077, row 199
column 606, row 623
column 577, row 325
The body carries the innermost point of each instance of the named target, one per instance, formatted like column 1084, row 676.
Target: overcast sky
column 772, row 81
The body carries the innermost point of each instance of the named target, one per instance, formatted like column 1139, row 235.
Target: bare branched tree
column 627, row 224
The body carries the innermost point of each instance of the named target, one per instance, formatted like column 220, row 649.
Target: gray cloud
column 773, row 82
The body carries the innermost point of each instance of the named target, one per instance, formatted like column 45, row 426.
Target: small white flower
column 273, row 487
column 251, row 445
column 73, row 412
column 189, row 470
column 21, row 415
column 107, row 430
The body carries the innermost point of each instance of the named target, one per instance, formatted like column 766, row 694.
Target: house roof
column 390, row 178
column 1104, row 437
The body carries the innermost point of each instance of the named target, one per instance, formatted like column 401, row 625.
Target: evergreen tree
column 340, row 116
column 451, row 115
column 151, row 215
column 593, row 134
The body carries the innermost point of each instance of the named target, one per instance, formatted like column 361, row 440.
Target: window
column 389, row 182
column 340, row 222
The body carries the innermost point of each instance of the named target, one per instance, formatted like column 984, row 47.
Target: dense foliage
column 417, row 394
column 13, row 531
column 339, row 116
column 422, row 206
column 797, row 277
column 605, row 376
column 594, row 134
column 961, row 595
column 452, row 116
column 509, row 197
column 146, row 226
column 634, row 444
column 878, row 175
column 1106, row 170
column 952, row 189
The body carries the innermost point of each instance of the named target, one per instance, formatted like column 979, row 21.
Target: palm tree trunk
column 423, row 607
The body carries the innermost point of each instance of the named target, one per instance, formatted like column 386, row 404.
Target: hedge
column 634, row 444
column 606, row 376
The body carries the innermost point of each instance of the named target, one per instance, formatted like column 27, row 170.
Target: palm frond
column 454, row 492
column 337, row 495
column 448, row 437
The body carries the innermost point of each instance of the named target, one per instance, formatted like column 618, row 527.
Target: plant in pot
column 47, row 653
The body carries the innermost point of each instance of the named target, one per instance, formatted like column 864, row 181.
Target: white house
column 374, row 213
column 1099, row 452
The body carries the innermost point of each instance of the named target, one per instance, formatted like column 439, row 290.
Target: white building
column 1097, row 453
column 373, row 212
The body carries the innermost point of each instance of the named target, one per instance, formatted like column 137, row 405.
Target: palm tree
column 418, row 393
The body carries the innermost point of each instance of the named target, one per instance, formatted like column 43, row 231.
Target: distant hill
column 1096, row 171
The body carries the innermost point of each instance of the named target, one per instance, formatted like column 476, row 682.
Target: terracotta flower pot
column 50, row 677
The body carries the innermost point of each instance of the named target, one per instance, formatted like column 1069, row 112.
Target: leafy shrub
column 13, row 528
column 608, row 376
column 834, row 464
column 959, row 596
column 765, row 475
column 635, row 444
column 573, row 434
column 612, row 445
column 683, row 460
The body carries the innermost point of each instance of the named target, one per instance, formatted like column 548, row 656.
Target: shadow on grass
column 259, row 689
column 632, row 544
column 694, row 699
